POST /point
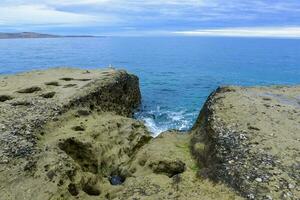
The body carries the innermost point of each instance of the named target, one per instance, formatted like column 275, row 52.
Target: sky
column 262, row 18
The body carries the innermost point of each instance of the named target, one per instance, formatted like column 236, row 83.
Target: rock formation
column 249, row 138
column 68, row 134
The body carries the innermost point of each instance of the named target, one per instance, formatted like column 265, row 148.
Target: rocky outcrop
column 68, row 134
column 30, row 101
column 64, row 130
column 165, row 169
column 249, row 138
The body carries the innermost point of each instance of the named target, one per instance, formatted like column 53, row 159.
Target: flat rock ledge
column 249, row 138
column 69, row 134
column 30, row 100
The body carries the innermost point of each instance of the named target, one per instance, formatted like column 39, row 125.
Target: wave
column 160, row 120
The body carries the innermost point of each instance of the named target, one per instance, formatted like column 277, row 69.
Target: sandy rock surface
column 67, row 134
column 252, row 140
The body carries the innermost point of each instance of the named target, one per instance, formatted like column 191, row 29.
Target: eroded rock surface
column 57, row 142
column 164, row 168
column 68, row 134
column 250, row 139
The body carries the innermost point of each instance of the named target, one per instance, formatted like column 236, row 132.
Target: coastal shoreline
column 68, row 133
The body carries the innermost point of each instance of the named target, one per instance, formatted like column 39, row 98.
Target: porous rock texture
column 249, row 138
column 67, row 134
column 60, row 129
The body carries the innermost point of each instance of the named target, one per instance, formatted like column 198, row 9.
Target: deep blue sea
column 176, row 73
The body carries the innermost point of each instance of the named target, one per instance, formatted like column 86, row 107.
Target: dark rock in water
column 116, row 180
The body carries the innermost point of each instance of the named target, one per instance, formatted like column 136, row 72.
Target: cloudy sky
column 153, row 17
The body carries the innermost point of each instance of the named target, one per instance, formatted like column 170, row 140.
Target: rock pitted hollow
column 68, row 134
column 54, row 137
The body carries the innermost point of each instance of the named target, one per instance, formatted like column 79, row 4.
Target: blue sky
column 153, row 17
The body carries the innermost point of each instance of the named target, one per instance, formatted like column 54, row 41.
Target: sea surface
column 176, row 73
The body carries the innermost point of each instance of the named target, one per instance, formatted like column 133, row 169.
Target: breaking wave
column 160, row 120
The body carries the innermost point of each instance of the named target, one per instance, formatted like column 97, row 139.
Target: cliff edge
column 249, row 138
column 69, row 134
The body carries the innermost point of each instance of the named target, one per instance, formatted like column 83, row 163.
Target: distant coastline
column 31, row 35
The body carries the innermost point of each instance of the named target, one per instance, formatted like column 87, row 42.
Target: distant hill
column 34, row 35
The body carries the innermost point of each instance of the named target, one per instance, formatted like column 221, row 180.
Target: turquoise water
column 176, row 73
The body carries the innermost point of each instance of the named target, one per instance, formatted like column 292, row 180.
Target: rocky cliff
column 249, row 138
column 68, row 134
column 60, row 128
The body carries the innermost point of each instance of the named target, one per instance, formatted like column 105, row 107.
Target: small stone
column 291, row 186
column 51, row 174
column 258, row 180
column 268, row 197
column 251, row 196
column 4, row 162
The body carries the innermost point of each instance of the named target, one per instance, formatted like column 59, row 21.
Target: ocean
column 176, row 73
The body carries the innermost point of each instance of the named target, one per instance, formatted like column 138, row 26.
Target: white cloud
column 40, row 14
column 150, row 14
column 286, row 32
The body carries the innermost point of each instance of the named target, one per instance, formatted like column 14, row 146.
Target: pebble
column 269, row 197
column 258, row 180
column 291, row 186
column 4, row 161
